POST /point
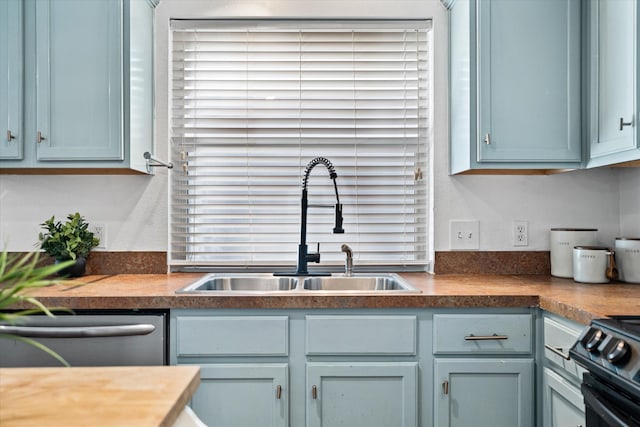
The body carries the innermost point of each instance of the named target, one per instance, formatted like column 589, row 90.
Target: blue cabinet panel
column 613, row 67
column 484, row 392
column 482, row 334
column 362, row 394
column 515, row 85
column 247, row 395
column 11, row 79
column 76, row 86
column 232, row 336
column 529, row 81
column 361, row 335
column 563, row 402
column 79, row 80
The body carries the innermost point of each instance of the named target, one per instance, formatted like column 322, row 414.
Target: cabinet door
column 364, row 394
column 614, row 41
column 484, row 392
column 79, row 80
column 528, row 64
column 563, row 405
column 243, row 395
column 11, row 79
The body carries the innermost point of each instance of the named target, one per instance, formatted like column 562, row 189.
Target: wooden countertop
column 101, row 397
column 577, row 301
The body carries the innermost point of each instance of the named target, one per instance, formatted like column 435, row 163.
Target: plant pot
column 75, row 270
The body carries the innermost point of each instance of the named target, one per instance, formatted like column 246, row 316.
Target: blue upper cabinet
column 78, row 80
column 11, row 77
column 613, row 89
column 515, row 85
column 88, row 86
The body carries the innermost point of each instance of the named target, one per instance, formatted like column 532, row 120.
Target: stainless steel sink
column 241, row 283
column 264, row 283
column 372, row 283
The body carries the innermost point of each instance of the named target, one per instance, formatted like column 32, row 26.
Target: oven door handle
column 78, row 331
column 596, row 401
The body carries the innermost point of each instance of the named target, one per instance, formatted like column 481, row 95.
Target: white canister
column 590, row 264
column 628, row 259
column 563, row 240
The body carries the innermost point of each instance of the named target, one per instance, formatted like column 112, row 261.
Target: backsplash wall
column 135, row 208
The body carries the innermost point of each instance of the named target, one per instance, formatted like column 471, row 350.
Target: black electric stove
column 609, row 349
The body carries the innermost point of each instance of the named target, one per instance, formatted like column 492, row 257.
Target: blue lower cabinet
column 362, row 394
column 243, row 395
column 484, row 392
column 563, row 402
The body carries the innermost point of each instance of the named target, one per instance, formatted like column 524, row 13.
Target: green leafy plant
column 69, row 240
column 19, row 275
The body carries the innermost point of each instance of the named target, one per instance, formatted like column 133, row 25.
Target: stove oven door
column 606, row 406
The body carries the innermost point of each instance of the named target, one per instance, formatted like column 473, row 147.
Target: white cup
column 628, row 259
column 590, row 264
column 563, row 241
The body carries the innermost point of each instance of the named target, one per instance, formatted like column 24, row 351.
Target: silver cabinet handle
column 472, row 337
column 487, row 138
column 558, row 351
column 279, row 392
column 314, row 392
column 445, row 387
column 623, row 123
column 78, row 331
column 10, row 136
column 39, row 137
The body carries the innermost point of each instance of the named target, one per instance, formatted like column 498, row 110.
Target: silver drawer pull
column 279, row 392
column 78, row 332
column 558, row 351
column 10, row 136
column 39, row 137
column 314, row 392
column 472, row 337
column 487, row 138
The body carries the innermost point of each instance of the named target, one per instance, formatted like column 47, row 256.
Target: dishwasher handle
column 78, row 331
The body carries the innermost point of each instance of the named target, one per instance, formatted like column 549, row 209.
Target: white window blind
column 254, row 101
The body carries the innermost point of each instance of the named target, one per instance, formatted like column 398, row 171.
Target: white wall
column 135, row 208
column 629, row 202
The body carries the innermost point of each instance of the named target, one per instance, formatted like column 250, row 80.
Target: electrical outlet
column 99, row 231
column 464, row 235
column 520, row 233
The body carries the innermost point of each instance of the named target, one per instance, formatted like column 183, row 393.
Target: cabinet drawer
column 233, row 336
column 482, row 334
column 361, row 335
column 559, row 337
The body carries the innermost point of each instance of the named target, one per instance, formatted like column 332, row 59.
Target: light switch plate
column 464, row 234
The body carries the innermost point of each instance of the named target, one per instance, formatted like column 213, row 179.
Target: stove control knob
column 618, row 353
column 592, row 339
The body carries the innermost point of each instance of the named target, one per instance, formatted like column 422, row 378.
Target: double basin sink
column 268, row 283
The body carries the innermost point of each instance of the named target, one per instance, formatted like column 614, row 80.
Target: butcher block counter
column 577, row 301
column 99, row 397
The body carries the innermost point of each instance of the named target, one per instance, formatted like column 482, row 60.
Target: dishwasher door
column 87, row 340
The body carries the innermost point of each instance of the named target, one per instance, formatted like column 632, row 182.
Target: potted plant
column 70, row 240
column 18, row 276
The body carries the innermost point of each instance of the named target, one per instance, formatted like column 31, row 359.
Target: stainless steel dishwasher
column 98, row 338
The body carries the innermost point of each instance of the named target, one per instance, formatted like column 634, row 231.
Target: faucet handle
column 348, row 265
column 338, row 228
column 314, row 257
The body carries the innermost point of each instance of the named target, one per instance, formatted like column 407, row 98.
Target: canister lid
column 627, row 238
column 574, row 229
column 592, row 248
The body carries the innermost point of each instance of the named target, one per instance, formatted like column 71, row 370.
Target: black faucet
column 303, row 254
